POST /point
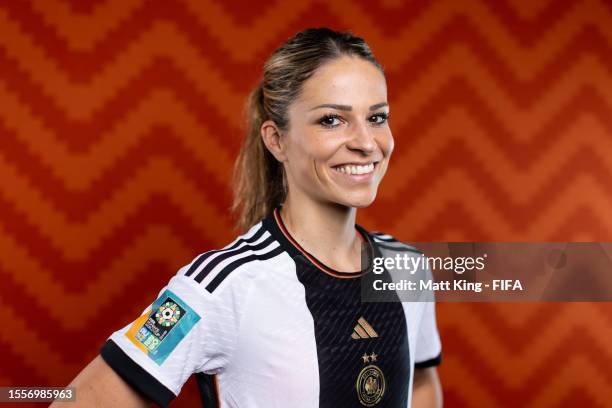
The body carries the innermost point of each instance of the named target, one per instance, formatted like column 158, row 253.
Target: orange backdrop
column 120, row 120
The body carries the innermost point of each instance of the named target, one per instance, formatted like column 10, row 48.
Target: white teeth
column 350, row 169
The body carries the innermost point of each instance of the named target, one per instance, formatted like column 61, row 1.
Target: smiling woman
column 339, row 143
column 275, row 318
column 336, row 149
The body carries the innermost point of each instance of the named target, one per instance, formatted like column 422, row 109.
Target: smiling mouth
column 354, row 169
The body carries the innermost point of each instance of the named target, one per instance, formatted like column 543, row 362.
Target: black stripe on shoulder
column 432, row 362
column 380, row 236
column 225, row 255
column 196, row 264
column 387, row 241
column 137, row 377
column 400, row 248
column 241, row 261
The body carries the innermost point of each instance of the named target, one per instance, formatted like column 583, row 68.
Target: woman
column 275, row 319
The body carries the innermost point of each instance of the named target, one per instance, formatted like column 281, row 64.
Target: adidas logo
column 363, row 330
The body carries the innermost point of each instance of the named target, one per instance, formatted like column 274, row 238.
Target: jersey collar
column 274, row 223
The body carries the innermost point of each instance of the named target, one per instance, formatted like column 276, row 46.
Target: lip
column 375, row 162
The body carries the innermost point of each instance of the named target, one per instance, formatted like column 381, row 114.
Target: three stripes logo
column 363, row 330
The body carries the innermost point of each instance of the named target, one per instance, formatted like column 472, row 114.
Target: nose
column 362, row 140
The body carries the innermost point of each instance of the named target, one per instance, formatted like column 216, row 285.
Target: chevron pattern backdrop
column 120, row 120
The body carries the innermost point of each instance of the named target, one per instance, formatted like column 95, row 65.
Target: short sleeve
column 428, row 351
column 185, row 330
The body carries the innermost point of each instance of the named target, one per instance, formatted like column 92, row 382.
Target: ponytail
column 258, row 176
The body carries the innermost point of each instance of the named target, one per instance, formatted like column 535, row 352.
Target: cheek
column 318, row 149
column 386, row 143
column 308, row 152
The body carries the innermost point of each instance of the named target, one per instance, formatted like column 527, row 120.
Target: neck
column 326, row 230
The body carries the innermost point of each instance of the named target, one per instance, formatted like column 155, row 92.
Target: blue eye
column 331, row 120
column 379, row 118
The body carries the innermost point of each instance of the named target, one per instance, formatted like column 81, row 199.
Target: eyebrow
column 347, row 107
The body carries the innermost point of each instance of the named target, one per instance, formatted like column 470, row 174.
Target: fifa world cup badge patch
column 169, row 313
column 159, row 331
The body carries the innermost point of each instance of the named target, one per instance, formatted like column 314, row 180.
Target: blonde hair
column 259, row 179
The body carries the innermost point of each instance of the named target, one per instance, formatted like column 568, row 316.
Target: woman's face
column 338, row 143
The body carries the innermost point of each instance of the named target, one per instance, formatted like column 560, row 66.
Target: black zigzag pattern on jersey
column 241, row 261
column 228, row 254
column 196, row 264
column 335, row 305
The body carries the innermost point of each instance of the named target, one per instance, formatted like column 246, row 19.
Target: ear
column 271, row 136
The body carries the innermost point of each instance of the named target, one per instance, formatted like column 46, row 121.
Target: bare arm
column 99, row 386
column 426, row 389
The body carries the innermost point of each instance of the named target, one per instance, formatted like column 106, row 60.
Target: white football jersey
column 263, row 323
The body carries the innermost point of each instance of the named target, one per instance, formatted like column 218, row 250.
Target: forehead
column 345, row 80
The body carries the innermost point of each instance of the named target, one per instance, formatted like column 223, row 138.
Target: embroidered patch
column 159, row 331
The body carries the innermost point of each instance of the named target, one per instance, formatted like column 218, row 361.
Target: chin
column 357, row 200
